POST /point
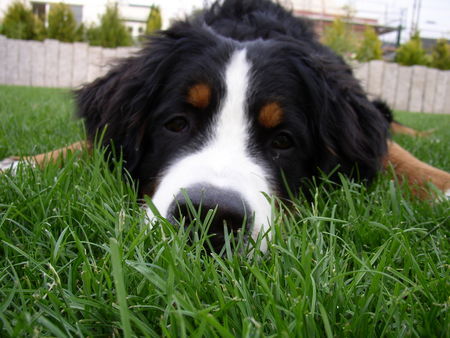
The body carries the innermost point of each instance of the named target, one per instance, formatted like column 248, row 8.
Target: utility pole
column 419, row 7
column 413, row 16
column 400, row 27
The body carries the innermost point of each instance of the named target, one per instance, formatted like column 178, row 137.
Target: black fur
column 331, row 121
column 384, row 109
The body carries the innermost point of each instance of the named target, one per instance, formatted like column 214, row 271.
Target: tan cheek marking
column 270, row 115
column 199, row 95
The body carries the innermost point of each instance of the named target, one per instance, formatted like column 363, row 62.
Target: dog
column 234, row 104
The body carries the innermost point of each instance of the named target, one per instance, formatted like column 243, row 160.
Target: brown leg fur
column 53, row 156
column 415, row 172
column 398, row 128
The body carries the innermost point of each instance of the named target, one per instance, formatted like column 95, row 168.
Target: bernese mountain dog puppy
column 234, row 104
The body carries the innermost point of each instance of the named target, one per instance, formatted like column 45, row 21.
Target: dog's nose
column 232, row 213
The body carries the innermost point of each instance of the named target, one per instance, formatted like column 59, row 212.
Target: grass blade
column 120, row 287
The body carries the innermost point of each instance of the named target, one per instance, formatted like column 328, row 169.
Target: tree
column 370, row 47
column 20, row 23
column 154, row 20
column 61, row 23
column 340, row 38
column 440, row 57
column 112, row 32
column 411, row 53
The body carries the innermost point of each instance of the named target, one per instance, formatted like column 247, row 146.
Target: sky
column 434, row 19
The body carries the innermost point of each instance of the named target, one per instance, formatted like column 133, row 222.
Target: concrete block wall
column 53, row 63
column 415, row 89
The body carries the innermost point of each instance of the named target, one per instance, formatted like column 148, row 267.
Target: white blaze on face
column 224, row 161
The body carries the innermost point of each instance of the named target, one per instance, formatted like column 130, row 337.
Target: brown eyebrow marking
column 199, row 95
column 270, row 115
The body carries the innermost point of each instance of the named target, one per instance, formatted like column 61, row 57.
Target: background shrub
column 20, row 23
column 61, row 23
column 80, row 33
column 340, row 38
column 440, row 57
column 112, row 32
column 411, row 52
column 370, row 46
column 93, row 35
column 154, row 20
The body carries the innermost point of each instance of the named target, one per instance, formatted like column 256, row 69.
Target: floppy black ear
column 358, row 133
column 118, row 104
column 351, row 129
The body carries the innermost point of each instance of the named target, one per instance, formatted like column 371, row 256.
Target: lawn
column 77, row 258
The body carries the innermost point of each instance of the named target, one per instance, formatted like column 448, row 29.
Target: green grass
column 77, row 258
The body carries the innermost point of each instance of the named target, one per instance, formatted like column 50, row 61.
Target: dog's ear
column 117, row 105
column 358, row 132
column 352, row 131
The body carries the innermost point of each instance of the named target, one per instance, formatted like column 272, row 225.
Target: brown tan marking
column 270, row 115
column 415, row 172
column 199, row 95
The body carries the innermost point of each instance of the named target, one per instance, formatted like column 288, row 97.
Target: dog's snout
column 231, row 211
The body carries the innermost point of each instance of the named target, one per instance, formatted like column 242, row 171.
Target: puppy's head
column 229, row 123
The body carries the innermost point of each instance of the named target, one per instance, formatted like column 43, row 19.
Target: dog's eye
column 282, row 141
column 177, row 124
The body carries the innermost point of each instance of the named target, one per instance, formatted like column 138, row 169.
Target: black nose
column 232, row 212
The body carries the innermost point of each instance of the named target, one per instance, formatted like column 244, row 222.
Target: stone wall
column 54, row 64
column 415, row 89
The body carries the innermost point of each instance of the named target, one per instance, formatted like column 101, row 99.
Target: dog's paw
column 9, row 164
column 443, row 196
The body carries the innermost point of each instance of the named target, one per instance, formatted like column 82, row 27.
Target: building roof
column 358, row 23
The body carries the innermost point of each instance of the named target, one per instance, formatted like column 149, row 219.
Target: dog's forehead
column 272, row 69
column 272, row 84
